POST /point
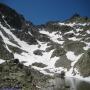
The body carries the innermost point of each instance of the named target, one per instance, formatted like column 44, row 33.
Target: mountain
column 46, row 49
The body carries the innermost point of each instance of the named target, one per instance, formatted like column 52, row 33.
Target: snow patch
column 71, row 56
column 2, row 61
column 68, row 24
column 54, row 36
column 78, row 30
column 6, row 40
column 70, row 72
column 75, row 39
column 69, row 32
column 88, row 31
column 87, row 46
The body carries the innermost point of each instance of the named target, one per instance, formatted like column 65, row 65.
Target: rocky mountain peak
column 49, row 48
column 14, row 19
column 78, row 18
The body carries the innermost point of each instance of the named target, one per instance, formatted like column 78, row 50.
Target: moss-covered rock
column 78, row 19
column 74, row 46
column 83, row 64
column 63, row 62
column 38, row 52
column 15, row 49
column 52, row 45
column 58, row 52
column 56, row 27
column 14, row 74
column 86, row 27
column 39, row 65
column 4, row 53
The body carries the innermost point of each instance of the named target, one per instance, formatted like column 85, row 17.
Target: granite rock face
column 48, row 48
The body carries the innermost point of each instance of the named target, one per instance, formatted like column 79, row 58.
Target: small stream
column 66, row 84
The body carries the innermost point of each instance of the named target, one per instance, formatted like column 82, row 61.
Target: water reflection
column 76, row 84
column 83, row 86
column 66, row 84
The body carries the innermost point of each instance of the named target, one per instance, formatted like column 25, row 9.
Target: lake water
column 9, row 88
column 66, row 84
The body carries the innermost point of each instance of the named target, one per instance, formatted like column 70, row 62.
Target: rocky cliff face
column 48, row 48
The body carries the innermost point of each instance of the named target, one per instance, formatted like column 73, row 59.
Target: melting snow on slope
column 8, row 48
column 75, row 39
column 70, row 72
column 24, row 45
column 74, row 24
column 53, row 36
column 69, row 32
column 78, row 30
column 2, row 61
column 71, row 56
column 87, row 46
column 88, row 31
column 67, row 24
column 6, row 40
column 30, row 58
